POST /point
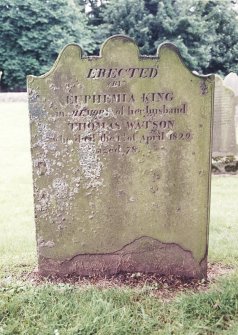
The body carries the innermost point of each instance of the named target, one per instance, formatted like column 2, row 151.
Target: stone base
column 145, row 255
column 225, row 165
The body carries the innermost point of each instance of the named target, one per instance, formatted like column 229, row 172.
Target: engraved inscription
column 132, row 72
column 120, row 118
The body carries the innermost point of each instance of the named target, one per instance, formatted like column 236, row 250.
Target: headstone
column 231, row 81
column 224, row 137
column 121, row 149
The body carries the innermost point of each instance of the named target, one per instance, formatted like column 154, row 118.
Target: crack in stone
column 164, row 245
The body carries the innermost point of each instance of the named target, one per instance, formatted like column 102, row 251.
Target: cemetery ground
column 132, row 304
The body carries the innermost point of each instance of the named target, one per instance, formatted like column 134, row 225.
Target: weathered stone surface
column 224, row 135
column 144, row 255
column 121, row 162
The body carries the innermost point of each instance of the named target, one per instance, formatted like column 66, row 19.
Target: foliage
column 32, row 34
column 224, row 27
column 180, row 22
column 128, row 17
column 65, row 309
column 205, row 31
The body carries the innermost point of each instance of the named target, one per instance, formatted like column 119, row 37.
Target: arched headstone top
column 111, row 50
column 119, row 44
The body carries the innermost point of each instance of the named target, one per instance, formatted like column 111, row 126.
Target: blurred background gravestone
column 231, row 81
column 224, row 135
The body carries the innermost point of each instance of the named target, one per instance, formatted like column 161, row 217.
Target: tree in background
column 94, row 11
column 128, row 17
column 205, row 31
column 34, row 31
column 32, row 34
column 181, row 23
column 223, row 21
column 152, row 22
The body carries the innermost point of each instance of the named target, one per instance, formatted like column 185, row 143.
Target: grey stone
column 224, row 135
column 121, row 150
column 231, row 81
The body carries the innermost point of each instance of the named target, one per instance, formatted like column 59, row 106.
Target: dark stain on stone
column 203, row 87
column 144, row 254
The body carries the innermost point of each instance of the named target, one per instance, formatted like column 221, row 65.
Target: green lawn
column 17, row 240
column 27, row 308
column 223, row 241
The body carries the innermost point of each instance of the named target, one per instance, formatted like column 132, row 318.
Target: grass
column 17, row 240
column 223, row 245
column 67, row 309
column 58, row 309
